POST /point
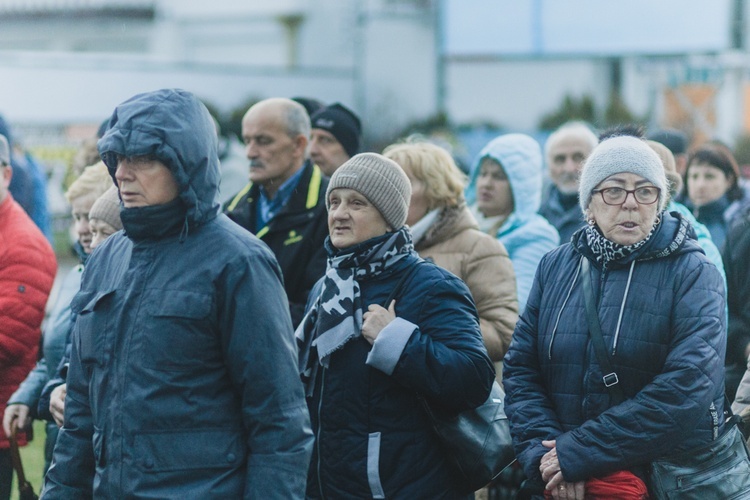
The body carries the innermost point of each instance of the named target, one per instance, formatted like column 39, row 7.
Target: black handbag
column 477, row 442
column 720, row 469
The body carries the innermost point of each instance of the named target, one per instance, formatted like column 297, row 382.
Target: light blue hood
column 526, row 235
column 521, row 158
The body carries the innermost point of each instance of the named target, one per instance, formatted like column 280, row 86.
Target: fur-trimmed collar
column 449, row 222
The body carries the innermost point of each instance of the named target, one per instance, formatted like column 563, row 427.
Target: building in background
column 679, row 63
column 74, row 60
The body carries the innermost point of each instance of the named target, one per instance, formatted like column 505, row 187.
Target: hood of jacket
column 173, row 126
column 521, row 158
column 674, row 235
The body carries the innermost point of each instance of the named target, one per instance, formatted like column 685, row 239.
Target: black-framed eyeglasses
column 616, row 195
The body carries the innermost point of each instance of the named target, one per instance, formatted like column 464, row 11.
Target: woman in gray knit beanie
column 582, row 401
column 382, row 326
column 622, row 189
column 104, row 216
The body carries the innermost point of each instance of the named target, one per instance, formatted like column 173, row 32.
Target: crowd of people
column 277, row 339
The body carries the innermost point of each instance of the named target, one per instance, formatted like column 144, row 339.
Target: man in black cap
column 310, row 104
column 335, row 137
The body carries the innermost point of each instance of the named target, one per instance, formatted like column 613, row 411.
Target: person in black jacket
column 736, row 257
column 284, row 203
column 364, row 361
column 183, row 379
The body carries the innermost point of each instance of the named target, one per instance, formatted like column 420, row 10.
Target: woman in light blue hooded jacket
column 505, row 193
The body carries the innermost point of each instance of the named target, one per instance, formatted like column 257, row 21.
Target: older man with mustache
column 284, row 202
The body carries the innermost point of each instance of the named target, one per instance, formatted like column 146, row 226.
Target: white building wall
column 380, row 57
column 68, row 89
column 398, row 73
column 517, row 93
column 375, row 56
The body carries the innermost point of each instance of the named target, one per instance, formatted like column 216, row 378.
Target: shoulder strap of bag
column 610, row 379
column 15, row 457
column 397, row 289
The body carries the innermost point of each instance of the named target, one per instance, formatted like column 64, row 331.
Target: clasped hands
column 552, row 476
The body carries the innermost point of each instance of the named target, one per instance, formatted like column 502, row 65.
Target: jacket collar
column 674, row 235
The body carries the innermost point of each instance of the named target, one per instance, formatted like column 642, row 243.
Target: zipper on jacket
column 557, row 322
column 622, row 308
column 320, row 426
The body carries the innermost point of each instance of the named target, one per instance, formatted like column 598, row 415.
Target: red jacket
column 27, row 271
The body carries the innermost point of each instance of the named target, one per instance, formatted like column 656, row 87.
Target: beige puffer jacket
column 455, row 243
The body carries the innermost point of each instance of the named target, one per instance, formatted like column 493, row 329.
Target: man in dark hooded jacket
column 182, row 380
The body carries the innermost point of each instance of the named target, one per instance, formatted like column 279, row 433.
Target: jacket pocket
column 195, row 449
column 91, row 310
column 179, row 333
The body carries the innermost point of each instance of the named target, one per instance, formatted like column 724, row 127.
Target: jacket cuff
column 389, row 344
column 567, row 459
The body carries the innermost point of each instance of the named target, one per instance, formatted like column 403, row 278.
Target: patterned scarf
column 607, row 251
column 335, row 317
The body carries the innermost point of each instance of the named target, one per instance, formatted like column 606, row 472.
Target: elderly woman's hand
column 552, row 475
column 57, row 403
column 16, row 415
column 375, row 319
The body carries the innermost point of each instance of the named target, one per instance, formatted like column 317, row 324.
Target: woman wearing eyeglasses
column 581, row 428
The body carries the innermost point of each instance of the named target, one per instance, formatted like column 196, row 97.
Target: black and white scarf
column 607, row 251
column 335, row 317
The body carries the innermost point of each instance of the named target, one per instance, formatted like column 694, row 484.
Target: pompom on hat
column 380, row 180
column 622, row 154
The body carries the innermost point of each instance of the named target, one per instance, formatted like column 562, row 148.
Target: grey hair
column 575, row 128
column 297, row 120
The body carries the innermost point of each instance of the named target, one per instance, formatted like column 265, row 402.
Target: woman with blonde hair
column 445, row 231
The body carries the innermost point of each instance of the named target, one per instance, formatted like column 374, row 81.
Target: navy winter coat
column 669, row 357
column 373, row 439
column 183, row 378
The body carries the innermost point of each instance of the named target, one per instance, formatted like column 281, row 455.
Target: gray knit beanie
column 619, row 155
column 380, row 180
column 107, row 208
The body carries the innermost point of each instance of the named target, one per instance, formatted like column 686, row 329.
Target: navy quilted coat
column 373, row 439
column 668, row 355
